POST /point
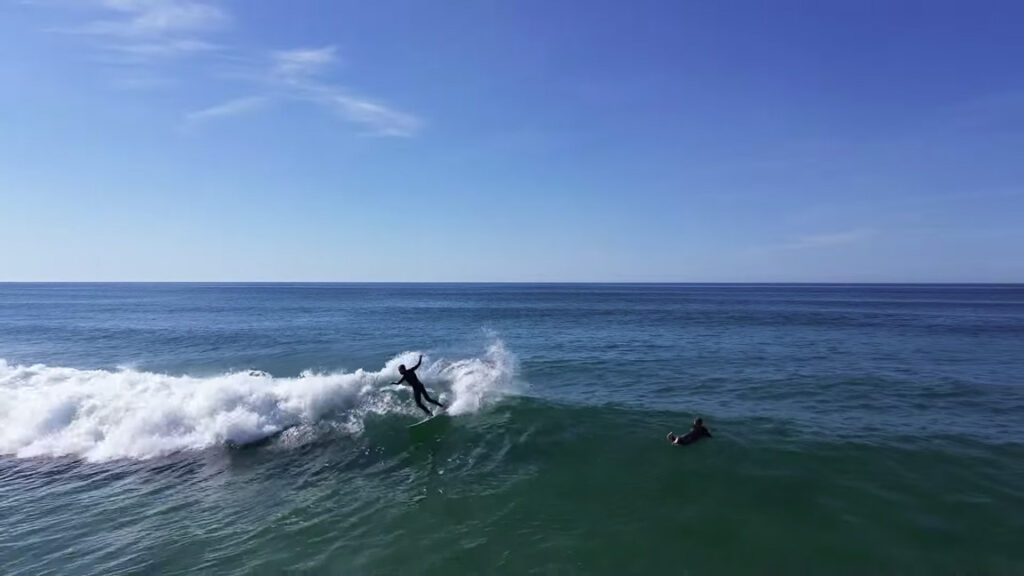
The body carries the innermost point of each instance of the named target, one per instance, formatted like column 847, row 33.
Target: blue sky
column 521, row 140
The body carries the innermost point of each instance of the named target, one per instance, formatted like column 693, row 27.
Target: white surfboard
column 429, row 418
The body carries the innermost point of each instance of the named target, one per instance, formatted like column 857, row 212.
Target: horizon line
column 512, row 282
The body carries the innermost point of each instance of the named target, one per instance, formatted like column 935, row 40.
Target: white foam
column 478, row 381
column 100, row 414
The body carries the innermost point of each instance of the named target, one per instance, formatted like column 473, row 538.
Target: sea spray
column 477, row 381
column 102, row 415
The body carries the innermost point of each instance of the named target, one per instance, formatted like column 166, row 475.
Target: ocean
column 253, row 429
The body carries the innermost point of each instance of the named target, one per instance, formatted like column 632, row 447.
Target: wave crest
column 102, row 415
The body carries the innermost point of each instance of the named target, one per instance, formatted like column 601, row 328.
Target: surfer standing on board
column 409, row 376
column 697, row 432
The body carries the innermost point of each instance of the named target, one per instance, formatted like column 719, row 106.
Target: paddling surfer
column 697, row 432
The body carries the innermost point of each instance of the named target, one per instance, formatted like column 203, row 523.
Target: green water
column 857, row 430
column 527, row 488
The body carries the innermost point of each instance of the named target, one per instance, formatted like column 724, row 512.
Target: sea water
column 253, row 428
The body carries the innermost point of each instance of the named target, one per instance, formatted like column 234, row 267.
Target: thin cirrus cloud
column 139, row 37
column 379, row 119
column 167, row 48
column 831, row 239
column 296, row 75
column 302, row 62
column 230, row 108
column 818, row 241
column 158, row 18
column 144, row 29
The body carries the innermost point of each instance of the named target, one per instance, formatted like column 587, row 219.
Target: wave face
column 101, row 415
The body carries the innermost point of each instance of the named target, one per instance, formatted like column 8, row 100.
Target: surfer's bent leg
column 416, row 392
column 431, row 400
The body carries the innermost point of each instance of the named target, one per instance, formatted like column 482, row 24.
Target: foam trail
column 100, row 414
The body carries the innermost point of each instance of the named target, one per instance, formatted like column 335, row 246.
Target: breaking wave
column 102, row 414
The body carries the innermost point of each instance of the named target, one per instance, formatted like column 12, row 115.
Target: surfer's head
column 698, row 422
column 401, row 368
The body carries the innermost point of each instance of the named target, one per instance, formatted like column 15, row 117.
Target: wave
column 103, row 415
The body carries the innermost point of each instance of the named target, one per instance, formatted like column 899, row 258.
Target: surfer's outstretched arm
column 400, row 380
column 418, row 362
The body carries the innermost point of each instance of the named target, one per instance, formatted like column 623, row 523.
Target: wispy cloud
column 297, row 75
column 172, row 47
column 157, row 18
column 234, row 107
column 816, row 242
column 138, row 40
column 141, row 81
column 831, row 239
column 146, row 29
column 137, row 43
column 379, row 119
column 303, row 62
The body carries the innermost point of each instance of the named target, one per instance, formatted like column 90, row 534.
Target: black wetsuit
column 695, row 433
column 418, row 390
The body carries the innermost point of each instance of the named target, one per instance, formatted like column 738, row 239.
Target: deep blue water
column 882, row 425
column 946, row 357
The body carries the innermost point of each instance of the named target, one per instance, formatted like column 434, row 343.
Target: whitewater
column 102, row 415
